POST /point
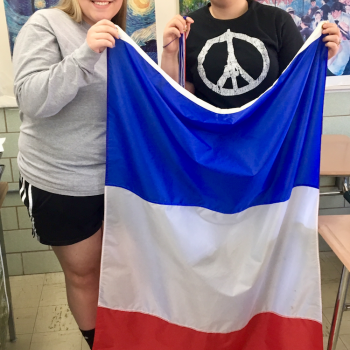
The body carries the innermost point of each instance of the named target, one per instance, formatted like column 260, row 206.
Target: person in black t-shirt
column 313, row 8
column 236, row 49
column 305, row 27
column 325, row 10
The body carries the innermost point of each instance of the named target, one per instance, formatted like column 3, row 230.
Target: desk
column 335, row 229
column 335, row 156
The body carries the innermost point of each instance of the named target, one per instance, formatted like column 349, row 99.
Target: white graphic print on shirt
column 233, row 69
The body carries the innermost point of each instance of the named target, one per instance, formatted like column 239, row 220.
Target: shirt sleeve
column 290, row 42
column 44, row 82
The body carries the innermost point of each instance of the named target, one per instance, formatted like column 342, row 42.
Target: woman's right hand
column 173, row 30
column 102, row 35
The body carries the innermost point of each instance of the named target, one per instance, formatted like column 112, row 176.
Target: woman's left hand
column 332, row 38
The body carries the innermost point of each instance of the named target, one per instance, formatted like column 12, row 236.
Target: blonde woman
column 60, row 85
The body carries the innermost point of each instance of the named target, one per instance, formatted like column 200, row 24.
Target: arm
column 44, row 82
column 290, row 42
column 170, row 62
column 170, row 65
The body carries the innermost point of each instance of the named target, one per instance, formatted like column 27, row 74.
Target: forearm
column 170, row 65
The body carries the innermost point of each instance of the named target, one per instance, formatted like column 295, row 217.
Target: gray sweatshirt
column 60, row 86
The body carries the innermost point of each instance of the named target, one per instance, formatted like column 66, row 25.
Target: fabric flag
column 210, row 238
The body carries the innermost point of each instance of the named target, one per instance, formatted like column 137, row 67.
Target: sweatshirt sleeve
column 44, row 81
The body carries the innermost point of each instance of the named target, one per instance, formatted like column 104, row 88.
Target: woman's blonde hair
column 72, row 8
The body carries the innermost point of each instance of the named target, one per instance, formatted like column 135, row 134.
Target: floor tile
column 54, row 319
column 329, row 293
column 344, row 339
column 84, row 344
column 329, row 272
column 345, row 323
column 26, row 296
column 325, row 342
column 29, row 280
column 328, row 312
column 56, row 341
column 345, row 327
column 326, row 326
column 333, row 259
column 340, row 343
column 25, row 319
column 53, row 294
column 54, row 278
column 22, row 342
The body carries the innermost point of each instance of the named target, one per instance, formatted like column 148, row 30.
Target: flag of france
column 210, row 238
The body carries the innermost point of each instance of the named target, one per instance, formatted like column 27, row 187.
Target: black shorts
column 59, row 220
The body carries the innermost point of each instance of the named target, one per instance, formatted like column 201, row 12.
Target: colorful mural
column 188, row 6
column 306, row 15
column 18, row 12
column 141, row 20
column 141, row 25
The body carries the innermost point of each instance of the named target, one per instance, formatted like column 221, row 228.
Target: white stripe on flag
column 210, row 271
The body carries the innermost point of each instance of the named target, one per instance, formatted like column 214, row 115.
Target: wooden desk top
column 335, row 230
column 335, row 155
column 3, row 191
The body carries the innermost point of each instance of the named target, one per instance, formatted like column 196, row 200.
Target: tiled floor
column 42, row 316
column 44, row 321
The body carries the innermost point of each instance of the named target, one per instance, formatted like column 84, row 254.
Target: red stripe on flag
column 120, row 330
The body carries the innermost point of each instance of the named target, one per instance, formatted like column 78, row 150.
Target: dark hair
column 326, row 1
column 337, row 6
column 306, row 20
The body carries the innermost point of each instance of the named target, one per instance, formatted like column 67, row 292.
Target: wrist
column 172, row 55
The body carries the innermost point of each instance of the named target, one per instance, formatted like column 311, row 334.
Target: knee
column 87, row 277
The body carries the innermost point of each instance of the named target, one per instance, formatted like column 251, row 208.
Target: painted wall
column 7, row 98
column 165, row 11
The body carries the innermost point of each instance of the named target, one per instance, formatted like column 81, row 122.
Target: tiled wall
column 26, row 256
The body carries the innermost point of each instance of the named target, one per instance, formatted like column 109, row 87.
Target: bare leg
column 81, row 266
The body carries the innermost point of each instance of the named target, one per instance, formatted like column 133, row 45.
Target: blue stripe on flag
column 169, row 150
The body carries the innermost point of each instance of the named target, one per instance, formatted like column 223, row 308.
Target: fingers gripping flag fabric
column 210, row 238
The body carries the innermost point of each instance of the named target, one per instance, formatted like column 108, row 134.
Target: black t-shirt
column 313, row 10
column 305, row 33
column 232, row 62
column 326, row 10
